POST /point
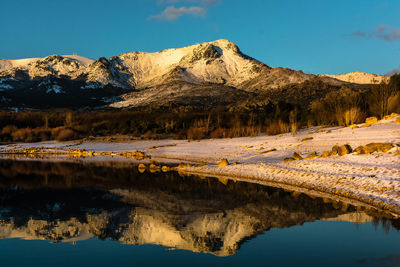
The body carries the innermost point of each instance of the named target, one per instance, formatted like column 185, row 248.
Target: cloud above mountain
column 173, row 13
column 202, row 2
column 383, row 32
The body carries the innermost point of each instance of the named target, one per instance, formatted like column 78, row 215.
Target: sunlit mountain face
column 66, row 201
column 202, row 76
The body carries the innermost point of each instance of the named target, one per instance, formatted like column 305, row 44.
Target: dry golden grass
column 277, row 127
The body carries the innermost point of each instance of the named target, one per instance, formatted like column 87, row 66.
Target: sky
column 315, row 36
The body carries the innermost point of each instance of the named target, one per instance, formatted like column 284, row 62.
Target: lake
column 76, row 213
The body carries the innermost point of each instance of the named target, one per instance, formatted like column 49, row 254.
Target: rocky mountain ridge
column 359, row 77
column 188, row 74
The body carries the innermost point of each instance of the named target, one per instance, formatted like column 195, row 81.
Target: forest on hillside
column 271, row 115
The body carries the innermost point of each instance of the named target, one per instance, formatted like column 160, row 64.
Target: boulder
column 362, row 150
column 183, row 165
column 353, row 126
column 371, row 120
column 325, row 154
column 387, row 117
column 312, row 155
column 345, row 149
column 223, row 163
column 297, row 156
column 288, row 159
column 374, row 147
column 335, row 150
column 379, row 147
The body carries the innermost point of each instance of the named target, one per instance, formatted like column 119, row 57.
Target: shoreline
column 192, row 168
column 372, row 178
column 310, row 190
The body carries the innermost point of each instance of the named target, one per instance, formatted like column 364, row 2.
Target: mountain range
column 203, row 75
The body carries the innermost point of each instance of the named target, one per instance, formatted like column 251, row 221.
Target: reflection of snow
column 4, row 85
column 111, row 99
column 373, row 178
column 55, row 88
column 4, row 99
column 92, row 85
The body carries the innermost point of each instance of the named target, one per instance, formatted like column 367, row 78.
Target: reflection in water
column 65, row 201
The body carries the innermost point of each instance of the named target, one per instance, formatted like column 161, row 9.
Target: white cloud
column 202, row 2
column 383, row 32
column 387, row 33
column 173, row 13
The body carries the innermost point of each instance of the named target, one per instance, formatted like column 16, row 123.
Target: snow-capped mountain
column 360, row 77
column 42, row 67
column 213, row 71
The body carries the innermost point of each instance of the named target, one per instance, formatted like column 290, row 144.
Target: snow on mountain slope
column 214, row 62
column 359, row 77
column 6, row 64
column 173, row 75
column 218, row 62
column 82, row 60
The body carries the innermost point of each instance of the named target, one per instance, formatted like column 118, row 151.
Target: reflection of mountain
column 69, row 202
column 354, row 217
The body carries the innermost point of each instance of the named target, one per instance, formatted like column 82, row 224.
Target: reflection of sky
column 72, row 202
column 313, row 244
column 315, row 36
column 390, row 260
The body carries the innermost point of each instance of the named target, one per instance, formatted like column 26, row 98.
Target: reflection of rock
column 70, row 202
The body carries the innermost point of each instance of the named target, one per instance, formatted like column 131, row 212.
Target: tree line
column 343, row 107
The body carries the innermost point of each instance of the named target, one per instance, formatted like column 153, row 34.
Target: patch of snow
column 82, row 60
column 373, row 178
column 14, row 63
column 359, row 77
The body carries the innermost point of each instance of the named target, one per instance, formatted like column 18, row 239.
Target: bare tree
column 379, row 98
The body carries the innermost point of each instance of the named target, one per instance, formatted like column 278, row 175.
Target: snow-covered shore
column 373, row 179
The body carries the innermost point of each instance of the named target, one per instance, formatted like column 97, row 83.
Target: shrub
column 394, row 103
column 382, row 97
column 66, row 135
column 149, row 135
column 56, row 131
column 196, row 133
column 42, row 134
column 319, row 113
column 350, row 116
column 277, row 127
column 293, row 120
column 22, row 135
column 9, row 129
column 220, row 133
column 182, row 134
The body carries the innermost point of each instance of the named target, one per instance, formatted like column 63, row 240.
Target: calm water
column 109, row 214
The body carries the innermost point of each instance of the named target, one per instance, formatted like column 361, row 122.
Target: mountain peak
column 214, row 70
column 359, row 77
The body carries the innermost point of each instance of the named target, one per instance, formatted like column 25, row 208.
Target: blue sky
column 323, row 36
